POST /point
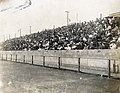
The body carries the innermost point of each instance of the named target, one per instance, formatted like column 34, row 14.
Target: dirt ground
column 25, row 78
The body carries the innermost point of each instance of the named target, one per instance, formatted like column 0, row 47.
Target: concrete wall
column 91, row 61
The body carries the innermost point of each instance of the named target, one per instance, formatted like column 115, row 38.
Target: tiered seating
column 99, row 34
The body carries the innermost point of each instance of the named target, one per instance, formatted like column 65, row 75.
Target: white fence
column 104, row 62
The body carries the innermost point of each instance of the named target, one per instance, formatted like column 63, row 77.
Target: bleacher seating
column 103, row 33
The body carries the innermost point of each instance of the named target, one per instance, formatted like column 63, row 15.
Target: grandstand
column 103, row 33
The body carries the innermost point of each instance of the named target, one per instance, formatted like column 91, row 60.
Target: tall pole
column 100, row 15
column 53, row 26
column 30, row 29
column 20, row 32
column 15, row 35
column 67, row 12
column 77, row 17
column 4, row 37
column 9, row 36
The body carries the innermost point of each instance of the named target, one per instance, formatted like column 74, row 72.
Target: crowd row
column 103, row 33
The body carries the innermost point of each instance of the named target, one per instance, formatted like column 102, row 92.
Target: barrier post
column 6, row 57
column 2, row 56
column 16, row 58
column 32, row 59
column 11, row 57
column 23, row 58
column 109, row 70
column 58, row 62
column 43, row 60
column 78, row 64
column 114, row 67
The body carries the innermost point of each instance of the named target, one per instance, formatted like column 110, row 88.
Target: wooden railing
column 60, row 62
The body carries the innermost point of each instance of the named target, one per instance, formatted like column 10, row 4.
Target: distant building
column 117, row 14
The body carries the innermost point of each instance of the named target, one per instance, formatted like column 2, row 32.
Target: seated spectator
column 103, row 33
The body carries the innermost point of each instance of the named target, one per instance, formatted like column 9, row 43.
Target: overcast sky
column 43, row 14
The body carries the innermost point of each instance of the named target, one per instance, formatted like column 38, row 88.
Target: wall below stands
column 91, row 61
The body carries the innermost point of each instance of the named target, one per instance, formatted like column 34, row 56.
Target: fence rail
column 105, row 67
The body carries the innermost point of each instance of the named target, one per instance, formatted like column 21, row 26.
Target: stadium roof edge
column 117, row 14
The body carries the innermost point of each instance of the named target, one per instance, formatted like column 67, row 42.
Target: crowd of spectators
column 103, row 33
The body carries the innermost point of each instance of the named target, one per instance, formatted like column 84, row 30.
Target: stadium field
column 25, row 78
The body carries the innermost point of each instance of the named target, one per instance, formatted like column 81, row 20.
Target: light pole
column 53, row 26
column 9, row 36
column 30, row 29
column 100, row 15
column 4, row 38
column 15, row 35
column 20, row 32
column 77, row 17
column 67, row 12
